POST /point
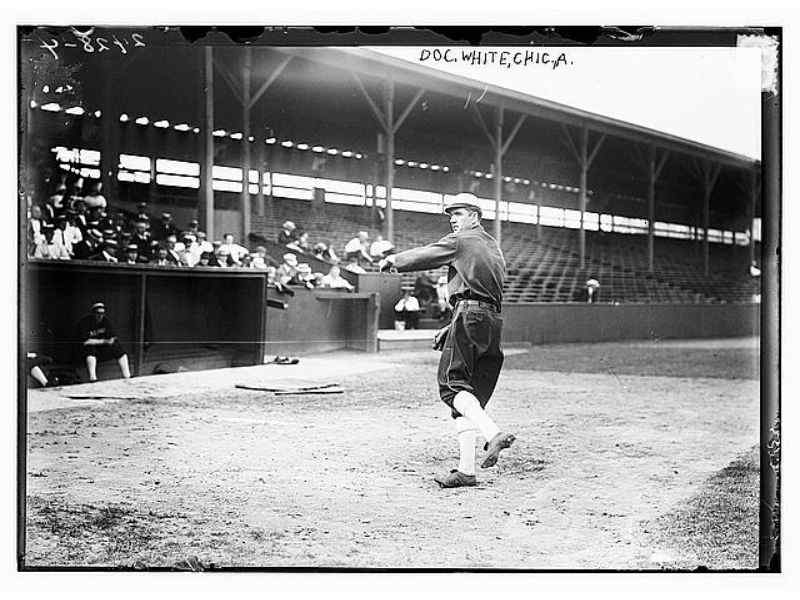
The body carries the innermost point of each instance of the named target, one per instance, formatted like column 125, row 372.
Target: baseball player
column 471, row 354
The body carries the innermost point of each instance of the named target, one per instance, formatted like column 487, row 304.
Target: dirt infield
column 606, row 462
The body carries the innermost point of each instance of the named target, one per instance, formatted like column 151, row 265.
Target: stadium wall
column 319, row 321
column 547, row 323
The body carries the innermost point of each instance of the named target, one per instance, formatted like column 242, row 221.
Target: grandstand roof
column 316, row 100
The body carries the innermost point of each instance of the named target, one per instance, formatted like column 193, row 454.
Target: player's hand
column 440, row 337
column 386, row 264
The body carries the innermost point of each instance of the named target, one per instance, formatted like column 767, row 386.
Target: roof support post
column 753, row 201
column 109, row 157
column 206, row 172
column 710, row 174
column 498, row 171
column 584, row 166
column 388, row 115
column 654, row 171
column 261, row 167
column 244, row 203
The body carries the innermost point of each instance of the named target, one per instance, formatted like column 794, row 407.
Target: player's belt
column 479, row 303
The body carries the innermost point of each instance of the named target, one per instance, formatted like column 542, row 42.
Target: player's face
column 461, row 218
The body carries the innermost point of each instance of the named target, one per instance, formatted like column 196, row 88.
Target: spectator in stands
column 353, row 266
column 334, row 280
column 287, row 271
column 202, row 241
column 108, row 252
column 164, row 228
column 142, row 213
column 101, row 216
column 407, row 310
column 425, row 288
column 35, row 229
column 174, row 252
column 49, row 210
column 88, row 246
column 41, row 248
column 287, row 234
column 58, row 245
column 324, row 252
column 58, row 199
column 443, row 297
column 72, row 233
column 161, row 258
column 305, row 276
column 204, row 260
column 193, row 227
column 75, row 192
column 191, row 249
column 590, row 292
column 99, row 342
column 234, row 250
column 301, row 244
column 380, row 248
column 132, row 255
column 260, row 258
column 359, row 248
column 81, row 216
column 94, row 198
column 141, row 237
column 246, row 261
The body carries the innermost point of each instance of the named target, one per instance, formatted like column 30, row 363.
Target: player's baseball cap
column 98, row 305
column 463, row 200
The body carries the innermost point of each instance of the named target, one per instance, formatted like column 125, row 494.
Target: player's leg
column 467, row 434
column 124, row 367
column 38, row 375
column 91, row 366
column 116, row 351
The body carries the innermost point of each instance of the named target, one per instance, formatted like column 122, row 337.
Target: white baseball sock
column 467, row 433
column 468, row 405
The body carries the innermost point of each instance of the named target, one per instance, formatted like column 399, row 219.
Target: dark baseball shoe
column 493, row 447
column 455, row 479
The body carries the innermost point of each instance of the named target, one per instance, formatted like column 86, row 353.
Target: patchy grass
column 718, row 527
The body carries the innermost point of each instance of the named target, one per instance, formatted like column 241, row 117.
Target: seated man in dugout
column 98, row 342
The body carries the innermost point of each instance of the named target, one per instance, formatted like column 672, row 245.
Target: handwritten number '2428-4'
column 87, row 43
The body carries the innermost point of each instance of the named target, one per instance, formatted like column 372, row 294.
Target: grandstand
column 331, row 143
column 546, row 269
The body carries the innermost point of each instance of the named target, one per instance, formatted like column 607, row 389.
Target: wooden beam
column 482, row 124
column 513, row 133
column 206, row 171
column 229, row 79
column 375, row 110
column 596, row 149
column 247, row 69
column 662, row 161
column 270, row 80
column 407, row 111
column 388, row 99
column 498, row 171
column 571, row 143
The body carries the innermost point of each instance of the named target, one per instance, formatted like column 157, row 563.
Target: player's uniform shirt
column 90, row 328
column 477, row 266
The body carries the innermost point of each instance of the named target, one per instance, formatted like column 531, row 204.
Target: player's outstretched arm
column 425, row 257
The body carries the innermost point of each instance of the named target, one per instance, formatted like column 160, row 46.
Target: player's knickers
column 104, row 353
column 472, row 357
